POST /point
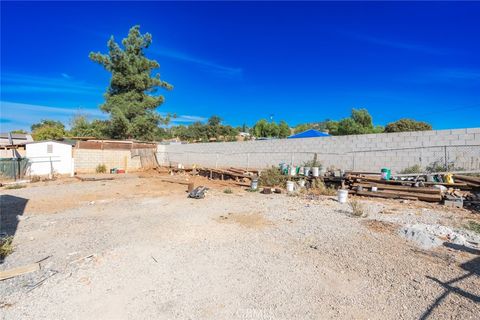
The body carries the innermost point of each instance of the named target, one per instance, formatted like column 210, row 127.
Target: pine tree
column 131, row 97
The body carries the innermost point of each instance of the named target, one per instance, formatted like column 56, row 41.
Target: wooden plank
column 94, row 179
column 467, row 178
column 175, row 181
column 399, row 188
column 399, row 182
column 420, row 196
column 7, row 274
column 401, row 195
column 382, row 195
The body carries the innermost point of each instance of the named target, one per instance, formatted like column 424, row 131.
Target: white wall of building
column 49, row 157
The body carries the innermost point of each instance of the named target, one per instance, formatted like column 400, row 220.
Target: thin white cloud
column 212, row 67
column 66, row 75
column 457, row 76
column 410, row 46
column 22, row 115
column 24, row 83
column 15, row 115
column 188, row 119
column 208, row 66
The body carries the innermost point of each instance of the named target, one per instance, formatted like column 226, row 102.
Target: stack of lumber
column 236, row 174
column 472, row 182
column 362, row 186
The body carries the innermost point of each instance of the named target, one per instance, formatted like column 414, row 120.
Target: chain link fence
column 423, row 159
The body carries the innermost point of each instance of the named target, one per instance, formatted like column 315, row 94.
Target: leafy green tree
column 81, row 127
column 283, row 129
column 48, row 130
column 19, row 131
column 261, row 129
column 360, row 122
column 130, row 99
column 303, row 127
column 404, row 125
column 320, row 126
column 265, row 129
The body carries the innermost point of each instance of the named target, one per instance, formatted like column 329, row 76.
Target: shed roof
column 17, row 138
column 50, row 141
column 311, row 133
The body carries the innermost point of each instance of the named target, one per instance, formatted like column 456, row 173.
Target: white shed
column 49, row 157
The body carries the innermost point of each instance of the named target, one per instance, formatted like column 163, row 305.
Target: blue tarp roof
column 312, row 133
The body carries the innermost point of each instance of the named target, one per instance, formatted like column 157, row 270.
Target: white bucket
column 290, row 185
column 342, row 196
column 301, row 183
column 254, row 184
column 306, row 171
column 301, row 171
column 374, row 189
column 293, row 170
column 315, row 171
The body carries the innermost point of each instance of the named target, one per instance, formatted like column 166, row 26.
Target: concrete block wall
column 87, row 160
column 358, row 152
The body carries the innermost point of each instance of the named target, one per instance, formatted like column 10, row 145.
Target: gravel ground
column 137, row 248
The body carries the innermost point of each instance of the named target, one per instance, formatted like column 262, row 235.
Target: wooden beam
column 10, row 273
column 398, row 188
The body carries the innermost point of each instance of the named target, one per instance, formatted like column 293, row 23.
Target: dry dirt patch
column 381, row 226
column 248, row 220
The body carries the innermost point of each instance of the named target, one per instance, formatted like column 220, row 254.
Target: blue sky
column 300, row 62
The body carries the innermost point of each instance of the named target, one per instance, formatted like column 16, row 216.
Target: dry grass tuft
column 473, row 226
column 101, row 168
column 358, row 209
column 318, row 187
column 15, row 186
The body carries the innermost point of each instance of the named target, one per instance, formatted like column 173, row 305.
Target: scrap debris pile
column 455, row 190
column 239, row 175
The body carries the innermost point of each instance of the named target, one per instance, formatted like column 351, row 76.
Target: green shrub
column 101, row 168
column 272, row 177
column 6, row 246
column 313, row 163
column 413, row 169
column 228, row 191
column 474, row 226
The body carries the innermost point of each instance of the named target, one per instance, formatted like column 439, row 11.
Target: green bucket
column 386, row 174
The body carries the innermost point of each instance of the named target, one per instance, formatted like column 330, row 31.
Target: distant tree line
column 360, row 122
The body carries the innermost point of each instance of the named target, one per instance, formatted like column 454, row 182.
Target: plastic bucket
column 306, row 171
column 342, row 196
column 254, row 184
column 290, row 185
column 284, row 168
column 374, row 189
column 385, row 174
column 301, row 170
column 315, row 171
column 292, row 170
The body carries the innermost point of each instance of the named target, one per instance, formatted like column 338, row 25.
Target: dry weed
column 358, row 209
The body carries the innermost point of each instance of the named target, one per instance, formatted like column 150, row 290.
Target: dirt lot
column 137, row 248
